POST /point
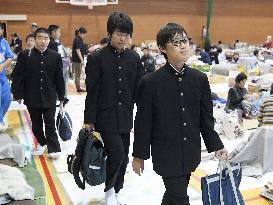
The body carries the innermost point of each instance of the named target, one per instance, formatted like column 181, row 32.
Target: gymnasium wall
column 247, row 20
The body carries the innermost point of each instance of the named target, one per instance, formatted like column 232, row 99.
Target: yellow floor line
column 65, row 199
column 251, row 196
column 13, row 121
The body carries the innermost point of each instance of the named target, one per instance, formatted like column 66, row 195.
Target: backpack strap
column 74, row 166
column 75, row 162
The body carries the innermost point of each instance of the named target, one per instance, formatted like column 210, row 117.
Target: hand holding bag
column 223, row 188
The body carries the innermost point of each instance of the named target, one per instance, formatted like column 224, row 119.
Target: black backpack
column 89, row 160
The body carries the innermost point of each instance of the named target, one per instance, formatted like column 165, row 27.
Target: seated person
column 213, row 55
column 235, row 57
column 221, row 55
column 265, row 117
column 268, row 43
column 236, row 95
column 237, row 44
column 256, row 54
column 205, row 58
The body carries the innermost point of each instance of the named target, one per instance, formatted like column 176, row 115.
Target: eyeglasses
column 178, row 42
column 122, row 35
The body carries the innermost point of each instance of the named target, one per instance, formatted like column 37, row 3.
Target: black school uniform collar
column 175, row 72
column 115, row 50
column 40, row 52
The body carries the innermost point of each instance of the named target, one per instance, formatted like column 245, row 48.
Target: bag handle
column 223, row 163
column 221, row 166
column 233, row 183
column 219, row 170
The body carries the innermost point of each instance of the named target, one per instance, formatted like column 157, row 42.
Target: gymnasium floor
column 145, row 190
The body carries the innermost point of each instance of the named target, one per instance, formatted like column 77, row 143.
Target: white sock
column 110, row 197
column 119, row 200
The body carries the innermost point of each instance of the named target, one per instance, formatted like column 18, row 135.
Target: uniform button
column 185, row 138
column 184, row 124
column 41, row 88
column 120, row 79
column 120, row 68
column 120, row 104
column 181, row 94
column 119, row 91
column 42, row 71
column 42, row 62
column 118, row 56
column 179, row 79
column 183, row 109
column 176, row 73
column 41, row 79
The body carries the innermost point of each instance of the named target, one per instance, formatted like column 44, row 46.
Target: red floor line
column 196, row 178
column 50, row 181
column 45, row 168
column 253, row 199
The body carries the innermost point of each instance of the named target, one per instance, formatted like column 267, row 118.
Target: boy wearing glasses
column 173, row 107
column 112, row 75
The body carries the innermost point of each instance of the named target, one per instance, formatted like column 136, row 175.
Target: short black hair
column 256, row 52
column 41, row 30
column 133, row 46
column 104, row 40
column 30, row 36
column 121, row 21
column 34, row 25
column 198, row 50
column 240, row 77
column 76, row 32
column 219, row 42
column 166, row 34
column 52, row 28
column 82, row 30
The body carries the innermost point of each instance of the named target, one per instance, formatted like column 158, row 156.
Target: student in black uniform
column 112, row 76
column 16, row 43
column 55, row 44
column 38, row 79
column 30, row 41
column 55, row 34
column 173, row 107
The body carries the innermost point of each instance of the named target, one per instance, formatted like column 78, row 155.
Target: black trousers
column 176, row 190
column 49, row 138
column 117, row 150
